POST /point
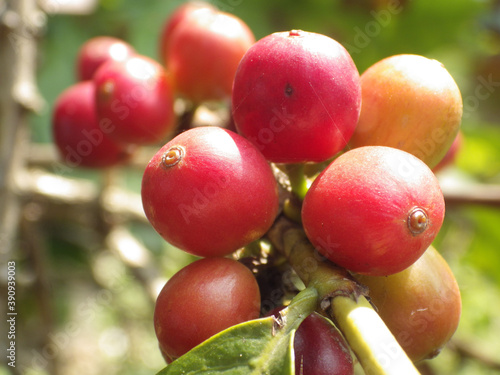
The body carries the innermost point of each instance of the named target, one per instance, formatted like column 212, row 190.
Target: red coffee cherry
column 202, row 299
column 96, row 51
column 374, row 210
column 81, row 139
column 209, row 191
column 297, row 96
column 177, row 17
column 203, row 54
column 320, row 348
column 136, row 96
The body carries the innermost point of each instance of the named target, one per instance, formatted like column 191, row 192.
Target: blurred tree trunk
column 21, row 23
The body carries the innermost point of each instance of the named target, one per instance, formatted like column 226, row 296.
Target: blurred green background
column 93, row 315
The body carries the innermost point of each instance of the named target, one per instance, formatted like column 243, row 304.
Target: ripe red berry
column 203, row 54
column 202, row 299
column 320, row 348
column 136, row 96
column 297, row 96
column 96, row 51
column 177, row 17
column 209, row 191
column 81, row 139
column 374, row 210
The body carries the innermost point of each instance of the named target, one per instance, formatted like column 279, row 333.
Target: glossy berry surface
column 320, row 349
column 297, row 96
column 412, row 103
column 137, row 97
column 202, row 299
column 209, row 191
column 374, row 210
column 421, row 305
column 81, row 139
column 203, row 53
column 96, row 51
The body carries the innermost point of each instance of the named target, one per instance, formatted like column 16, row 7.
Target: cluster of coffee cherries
column 365, row 147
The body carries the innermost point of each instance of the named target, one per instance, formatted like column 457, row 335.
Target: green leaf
column 257, row 347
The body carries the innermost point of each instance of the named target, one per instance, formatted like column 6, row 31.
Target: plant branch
column 344, row 301
column 20, row 24
column 466, row 194
column 374, row 345
column 298, row 180
column 78, row 195
column 465, row 350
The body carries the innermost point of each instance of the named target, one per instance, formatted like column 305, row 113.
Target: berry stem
column 298, row 180
column 186, row 118
column 292, row 208
column 301, row 306
column 343, row 299
column 369, row 338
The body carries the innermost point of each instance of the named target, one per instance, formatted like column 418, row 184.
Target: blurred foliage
column 99, row 308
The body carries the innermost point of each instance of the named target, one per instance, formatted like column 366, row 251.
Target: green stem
column 185, row 120
column 301, row 306
column 369, row 338
column 298, row 180
column 292, row 208
column 343, row 299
